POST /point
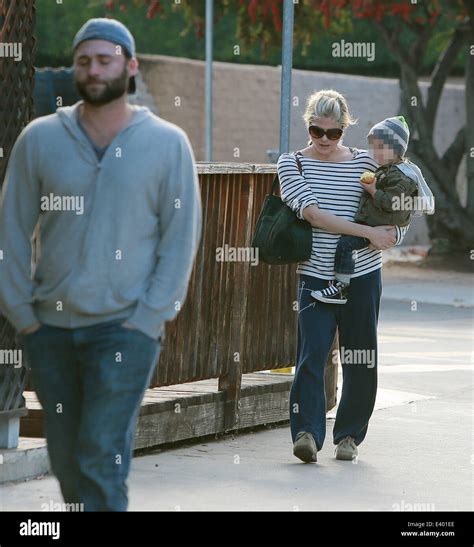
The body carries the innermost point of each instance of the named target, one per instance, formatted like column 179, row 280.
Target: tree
column 260, row 21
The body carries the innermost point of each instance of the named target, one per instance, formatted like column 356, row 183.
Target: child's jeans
column 344, row 262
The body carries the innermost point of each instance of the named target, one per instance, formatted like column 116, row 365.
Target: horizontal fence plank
column 205, row 168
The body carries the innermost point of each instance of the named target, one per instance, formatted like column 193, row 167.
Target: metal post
column 286, row 65
column 208, row 88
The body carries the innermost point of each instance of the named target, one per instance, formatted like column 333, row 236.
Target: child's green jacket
column 389, row 205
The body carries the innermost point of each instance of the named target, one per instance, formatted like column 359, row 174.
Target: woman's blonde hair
column 328, row 103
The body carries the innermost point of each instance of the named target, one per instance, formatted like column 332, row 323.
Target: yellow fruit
column 367, row 177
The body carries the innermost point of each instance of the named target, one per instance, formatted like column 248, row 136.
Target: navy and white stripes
column 333, row 187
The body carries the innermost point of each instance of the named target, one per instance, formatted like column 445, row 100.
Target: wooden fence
column 239, row 316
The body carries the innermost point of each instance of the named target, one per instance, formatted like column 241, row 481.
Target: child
column 393, row 194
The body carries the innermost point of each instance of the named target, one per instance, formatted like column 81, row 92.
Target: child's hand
column 370, row 188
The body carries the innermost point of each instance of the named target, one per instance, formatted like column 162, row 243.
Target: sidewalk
column 416, row 456
column 395, row 471
column 407, row 283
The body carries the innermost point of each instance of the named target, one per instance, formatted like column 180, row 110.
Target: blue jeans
column 90, row 382
column 317, row 323
column 344, row 262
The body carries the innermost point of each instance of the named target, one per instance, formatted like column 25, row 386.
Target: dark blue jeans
column 90, row 382
column 317, row 323
column 344, row 262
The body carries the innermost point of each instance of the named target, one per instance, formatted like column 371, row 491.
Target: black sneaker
column 335, row 293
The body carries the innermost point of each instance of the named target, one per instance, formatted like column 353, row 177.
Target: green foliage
column 178, row 30
column 56, row 25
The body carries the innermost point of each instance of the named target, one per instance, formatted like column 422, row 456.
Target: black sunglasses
column 318, row 132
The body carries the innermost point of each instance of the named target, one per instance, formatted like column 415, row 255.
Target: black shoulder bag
column 280, row 236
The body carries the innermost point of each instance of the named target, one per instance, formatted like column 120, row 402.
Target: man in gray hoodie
column 113, row 194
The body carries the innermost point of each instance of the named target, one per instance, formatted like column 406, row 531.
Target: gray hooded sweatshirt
column 118, row 236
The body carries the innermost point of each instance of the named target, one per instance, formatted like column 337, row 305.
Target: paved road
column 418, row 449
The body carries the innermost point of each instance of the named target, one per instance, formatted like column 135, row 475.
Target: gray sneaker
column 346, row 449
column 305, row 447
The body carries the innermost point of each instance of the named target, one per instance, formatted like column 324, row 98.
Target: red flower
column 276, row 15
column 252, row 10
column 154, row 7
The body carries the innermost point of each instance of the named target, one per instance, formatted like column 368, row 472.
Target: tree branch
column 408, row 79
column 394, row 45
column 469, row 7
column 470, row 111
column 441, row 72
column 411, row 88
column 453, row 155
column 423, row 34
column 449, row 211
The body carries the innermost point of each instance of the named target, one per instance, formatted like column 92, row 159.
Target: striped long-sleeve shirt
column 333, row 187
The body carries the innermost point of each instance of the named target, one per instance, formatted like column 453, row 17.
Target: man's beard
column 113, row 89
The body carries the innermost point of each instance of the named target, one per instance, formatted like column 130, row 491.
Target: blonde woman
column 327, row 196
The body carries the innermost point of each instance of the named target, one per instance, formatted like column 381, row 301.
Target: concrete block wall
column 246, row 109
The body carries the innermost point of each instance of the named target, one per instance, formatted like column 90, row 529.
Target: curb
column 26, row 462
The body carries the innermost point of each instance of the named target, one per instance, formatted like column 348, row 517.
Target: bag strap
column 354, row 152
column 276, row 180
column 300, row 167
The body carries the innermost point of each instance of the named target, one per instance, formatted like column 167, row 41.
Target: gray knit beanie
column 394, row 132
column 110, row 30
